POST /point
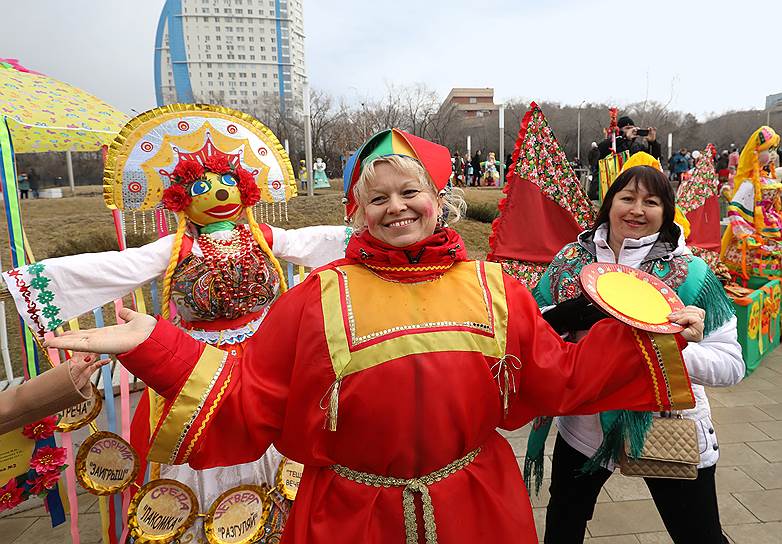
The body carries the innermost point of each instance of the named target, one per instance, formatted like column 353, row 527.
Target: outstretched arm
column 52, row 291
column 613, row 367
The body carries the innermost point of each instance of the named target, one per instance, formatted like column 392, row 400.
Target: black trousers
column 688, row 508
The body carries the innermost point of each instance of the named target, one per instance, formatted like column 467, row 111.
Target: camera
column 642, row 132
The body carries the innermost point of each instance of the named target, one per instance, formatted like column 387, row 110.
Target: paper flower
column 43, row 483
column 48, row 459
column 176, row 198
column 40, row 429
column 188, row 171
column 10, row 495
column 218, row 164
column 248, row 189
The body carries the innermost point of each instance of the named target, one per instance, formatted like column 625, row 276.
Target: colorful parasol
column 39, row 114
column 545, row 207
column 45, row 114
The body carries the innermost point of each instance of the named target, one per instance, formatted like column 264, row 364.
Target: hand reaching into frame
column 692, row 319
column 114, row 339
column 83, row 366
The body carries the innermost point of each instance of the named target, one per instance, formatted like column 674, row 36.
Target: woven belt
column 411, row 486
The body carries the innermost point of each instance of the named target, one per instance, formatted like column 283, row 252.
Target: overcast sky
column 699, row 56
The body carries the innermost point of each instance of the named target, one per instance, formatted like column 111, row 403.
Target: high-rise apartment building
column 238, row 53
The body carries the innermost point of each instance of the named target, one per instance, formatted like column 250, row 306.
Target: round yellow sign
column 237, row 516
column 81, row 414
column 633, row 297
column 288, row 478
column 161, row 511
column 106, row 464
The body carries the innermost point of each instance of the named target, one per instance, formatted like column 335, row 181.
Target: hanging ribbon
column 70, row 469
column 13, row 214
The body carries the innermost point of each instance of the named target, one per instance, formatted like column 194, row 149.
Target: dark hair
column 657, row 184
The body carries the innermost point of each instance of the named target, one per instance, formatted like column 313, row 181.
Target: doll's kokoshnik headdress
column 161, row 151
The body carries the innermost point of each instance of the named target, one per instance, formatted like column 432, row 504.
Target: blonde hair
column 174, row 259
column 172, row 262
column 452, row 201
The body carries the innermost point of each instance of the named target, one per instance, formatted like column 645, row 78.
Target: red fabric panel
column 532, row 227
column 705, row 225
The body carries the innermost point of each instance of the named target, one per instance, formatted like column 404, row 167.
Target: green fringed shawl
column 701, row 288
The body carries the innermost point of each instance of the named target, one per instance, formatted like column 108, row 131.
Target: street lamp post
column 502, row 144
column 578, row 133
column 308, row 140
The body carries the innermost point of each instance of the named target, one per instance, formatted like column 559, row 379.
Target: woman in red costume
column 387, row 386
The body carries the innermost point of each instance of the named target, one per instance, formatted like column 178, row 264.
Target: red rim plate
column 590, row 274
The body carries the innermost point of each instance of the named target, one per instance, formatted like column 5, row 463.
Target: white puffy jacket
column 715, row 361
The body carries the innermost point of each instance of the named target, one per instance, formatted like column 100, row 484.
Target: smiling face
column 398, row 208
column 635, row 213
column 216, row 198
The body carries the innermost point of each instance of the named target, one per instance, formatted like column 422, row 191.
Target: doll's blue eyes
column 229, row 180
column 200, row 187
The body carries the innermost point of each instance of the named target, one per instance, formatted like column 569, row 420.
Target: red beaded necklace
column 223, row 258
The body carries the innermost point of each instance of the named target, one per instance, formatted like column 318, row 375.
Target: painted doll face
column 216, row 198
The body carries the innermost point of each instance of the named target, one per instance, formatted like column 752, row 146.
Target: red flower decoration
column 43, row 483
column 10, row 495
column 248, row 188
column 187, row 171
column 48, row 459
column 219, row 164
column 40, row 429
column 176, row 198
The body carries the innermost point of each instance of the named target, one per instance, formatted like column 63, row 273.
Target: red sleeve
column 267, row 234
column 221, row 409
column 612, row 367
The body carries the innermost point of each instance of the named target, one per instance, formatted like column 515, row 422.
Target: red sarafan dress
column 387, row 373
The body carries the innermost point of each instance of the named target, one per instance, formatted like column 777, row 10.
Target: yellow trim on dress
column 187, row 406
column 389, row 333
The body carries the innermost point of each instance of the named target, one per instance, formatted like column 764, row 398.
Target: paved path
column 748, row 420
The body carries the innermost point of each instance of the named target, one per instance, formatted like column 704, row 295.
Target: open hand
column 114, row 339
column 691, row 318
column 83, row 366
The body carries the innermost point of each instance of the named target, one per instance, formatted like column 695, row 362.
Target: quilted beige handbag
column 670, row 451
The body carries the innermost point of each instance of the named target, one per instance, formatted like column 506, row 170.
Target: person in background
column 48, row 393
column 24, row 186
column 722, row 167
column 593, row 158
column 457, row 170
column 35, row 182
column 633, row 139
column 476, row 168
column 468, row 171
column 635, row 227
column 303, row 174
column 678, row 164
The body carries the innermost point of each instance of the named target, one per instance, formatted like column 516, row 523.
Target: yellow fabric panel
column 460, row 299
column 456, row 297
column 187, row 405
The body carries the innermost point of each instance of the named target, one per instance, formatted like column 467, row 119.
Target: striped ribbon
column 13, row 214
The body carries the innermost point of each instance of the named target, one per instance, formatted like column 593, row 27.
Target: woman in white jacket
column 635, row 227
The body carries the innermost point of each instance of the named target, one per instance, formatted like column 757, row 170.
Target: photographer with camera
column 633, row 139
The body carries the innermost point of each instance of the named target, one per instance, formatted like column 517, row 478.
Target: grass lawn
column 82, row 223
